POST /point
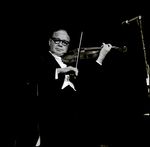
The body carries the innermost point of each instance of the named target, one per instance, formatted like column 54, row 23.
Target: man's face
column 59, row 43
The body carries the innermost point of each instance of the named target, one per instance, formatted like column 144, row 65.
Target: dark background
column 28, row 27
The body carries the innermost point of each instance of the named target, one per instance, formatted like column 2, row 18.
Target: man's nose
column 60, row 44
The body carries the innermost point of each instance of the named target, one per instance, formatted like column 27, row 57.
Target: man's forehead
column 62, row 35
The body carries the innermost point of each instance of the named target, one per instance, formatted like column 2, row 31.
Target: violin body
column 85, row 53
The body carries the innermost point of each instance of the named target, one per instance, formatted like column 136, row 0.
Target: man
column 59, row 96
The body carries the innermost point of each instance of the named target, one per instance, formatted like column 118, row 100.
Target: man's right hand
column 68, row 69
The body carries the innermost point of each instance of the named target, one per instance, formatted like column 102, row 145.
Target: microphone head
column 125, row 22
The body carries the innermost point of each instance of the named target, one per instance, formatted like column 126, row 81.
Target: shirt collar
column 59, row 60
column 55, row 56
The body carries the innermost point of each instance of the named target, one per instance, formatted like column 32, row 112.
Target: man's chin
column 60, row 54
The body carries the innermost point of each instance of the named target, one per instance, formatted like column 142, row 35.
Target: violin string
column 79, row 49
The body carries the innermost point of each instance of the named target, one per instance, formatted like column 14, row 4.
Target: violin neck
column 92, row 48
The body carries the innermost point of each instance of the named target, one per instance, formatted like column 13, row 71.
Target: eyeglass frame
column 59, row 40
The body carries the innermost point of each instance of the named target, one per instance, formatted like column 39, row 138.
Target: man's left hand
column 104, row 51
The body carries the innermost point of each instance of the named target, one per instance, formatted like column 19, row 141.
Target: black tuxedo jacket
column 48, row 85
column 88, row 78
column 59, row 107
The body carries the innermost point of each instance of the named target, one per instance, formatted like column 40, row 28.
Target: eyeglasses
column 57, row 41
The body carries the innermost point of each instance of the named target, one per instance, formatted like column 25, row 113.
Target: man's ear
column 49, row 42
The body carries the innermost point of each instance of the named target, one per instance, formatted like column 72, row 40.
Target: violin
column 86, row 53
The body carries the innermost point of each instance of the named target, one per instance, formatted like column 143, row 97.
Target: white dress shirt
column 67, row 77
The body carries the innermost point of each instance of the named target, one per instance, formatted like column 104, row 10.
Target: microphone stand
column 147, row 66
column 139, row 22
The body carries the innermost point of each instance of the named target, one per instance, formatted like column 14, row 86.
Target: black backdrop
column 29, row 26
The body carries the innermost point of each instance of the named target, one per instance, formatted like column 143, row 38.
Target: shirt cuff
column 98, row 62
column 56, row 74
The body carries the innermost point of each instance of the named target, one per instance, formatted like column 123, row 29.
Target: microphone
column 128, row 21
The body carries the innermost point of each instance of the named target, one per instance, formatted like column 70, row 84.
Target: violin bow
column 79, row 49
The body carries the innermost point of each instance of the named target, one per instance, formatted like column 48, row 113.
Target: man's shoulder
column 47, row 61
column 45, row 58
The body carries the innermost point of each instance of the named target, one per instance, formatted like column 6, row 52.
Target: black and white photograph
column 76, row 74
